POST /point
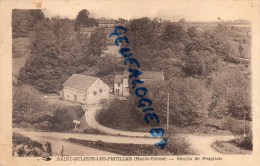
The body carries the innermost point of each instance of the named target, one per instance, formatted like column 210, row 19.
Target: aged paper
column 109, row 82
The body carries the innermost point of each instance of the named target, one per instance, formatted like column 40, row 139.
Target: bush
column 121, row 114
column 24, row 146
column 231, row 94
column 237, row 129
column 63, row 117
column 177, row 144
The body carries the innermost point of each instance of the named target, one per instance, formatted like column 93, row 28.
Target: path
column 199, row 143
column 90, row 114
column 70, row 149
column 202, row 144
column 89, row 137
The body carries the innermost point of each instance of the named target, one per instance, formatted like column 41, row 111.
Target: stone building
column 121, row 86
column 88, row 31
column 85, row 89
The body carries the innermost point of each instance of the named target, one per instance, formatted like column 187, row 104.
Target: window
column 68, row 96
column 94, row 93
column 75, row 97
column 117, row 90
column 118, row 84
column 100, row 90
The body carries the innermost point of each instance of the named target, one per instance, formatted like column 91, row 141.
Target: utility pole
column 168, row 107
column 244, row 123
column 75, row 127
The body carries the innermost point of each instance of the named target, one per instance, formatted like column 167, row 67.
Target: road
column 58, row 139
column 90, row 114
column 201, row 144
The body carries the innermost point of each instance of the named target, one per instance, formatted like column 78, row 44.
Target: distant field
column 21, row 52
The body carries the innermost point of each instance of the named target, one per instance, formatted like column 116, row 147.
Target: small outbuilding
column 121, row 86
column 85, row 89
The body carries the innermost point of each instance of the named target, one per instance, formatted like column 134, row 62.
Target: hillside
column 21, row 51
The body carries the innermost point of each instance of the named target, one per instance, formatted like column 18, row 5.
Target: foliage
column 104, row 69
column 97, row 41
column 174, row 32
column 237, row 128
column 189, row 100
column 26, row 104
column 30, row 110
column 200, row 63
column 58, row 53
column 63, row 117
column 231, row 94
column 177, row 144
column 25, row 147
column 83, row 20
column 23, row 21
column 121, row 114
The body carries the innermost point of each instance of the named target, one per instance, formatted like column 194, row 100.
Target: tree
column 23, row 21
column 191, row 31
column 189, row 100
column 142, row 32
column 97, row 41
column 200, row 63
column 27, row 104
column 174, row 32
column 83, row 20
column 233, row 89
column 63, row 118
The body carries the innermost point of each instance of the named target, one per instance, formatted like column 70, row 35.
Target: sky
column 190, row 10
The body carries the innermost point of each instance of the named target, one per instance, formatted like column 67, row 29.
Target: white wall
column 68, row 94
column 125, row 87
column 118, row 87
column 95, row 87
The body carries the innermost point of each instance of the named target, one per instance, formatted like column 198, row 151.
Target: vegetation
column 83, row 20
column 58, row 52
column 228, row 148
column 132, row 149
column 23, row 21
column 125, row 119
column 201, row 62
column 238, row 129
column 31, row 111
column 25, row 147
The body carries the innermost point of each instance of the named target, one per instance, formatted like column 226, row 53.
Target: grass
column 122, row 149
column 228, row 147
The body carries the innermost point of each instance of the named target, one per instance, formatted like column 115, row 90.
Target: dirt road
column 90, row 114
column 201, row 144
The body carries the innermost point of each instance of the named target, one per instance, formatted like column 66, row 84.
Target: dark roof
column 78, row 81
column 87, row 29
column 106, row 21
column 118, row 78
column 147, row 75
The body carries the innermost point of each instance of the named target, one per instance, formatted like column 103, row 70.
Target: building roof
column 87, row 29
column 79, row 81
column 118, row 78
column 147, row 75
column 103, row 21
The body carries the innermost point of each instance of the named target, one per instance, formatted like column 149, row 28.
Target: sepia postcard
column 148, row 82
